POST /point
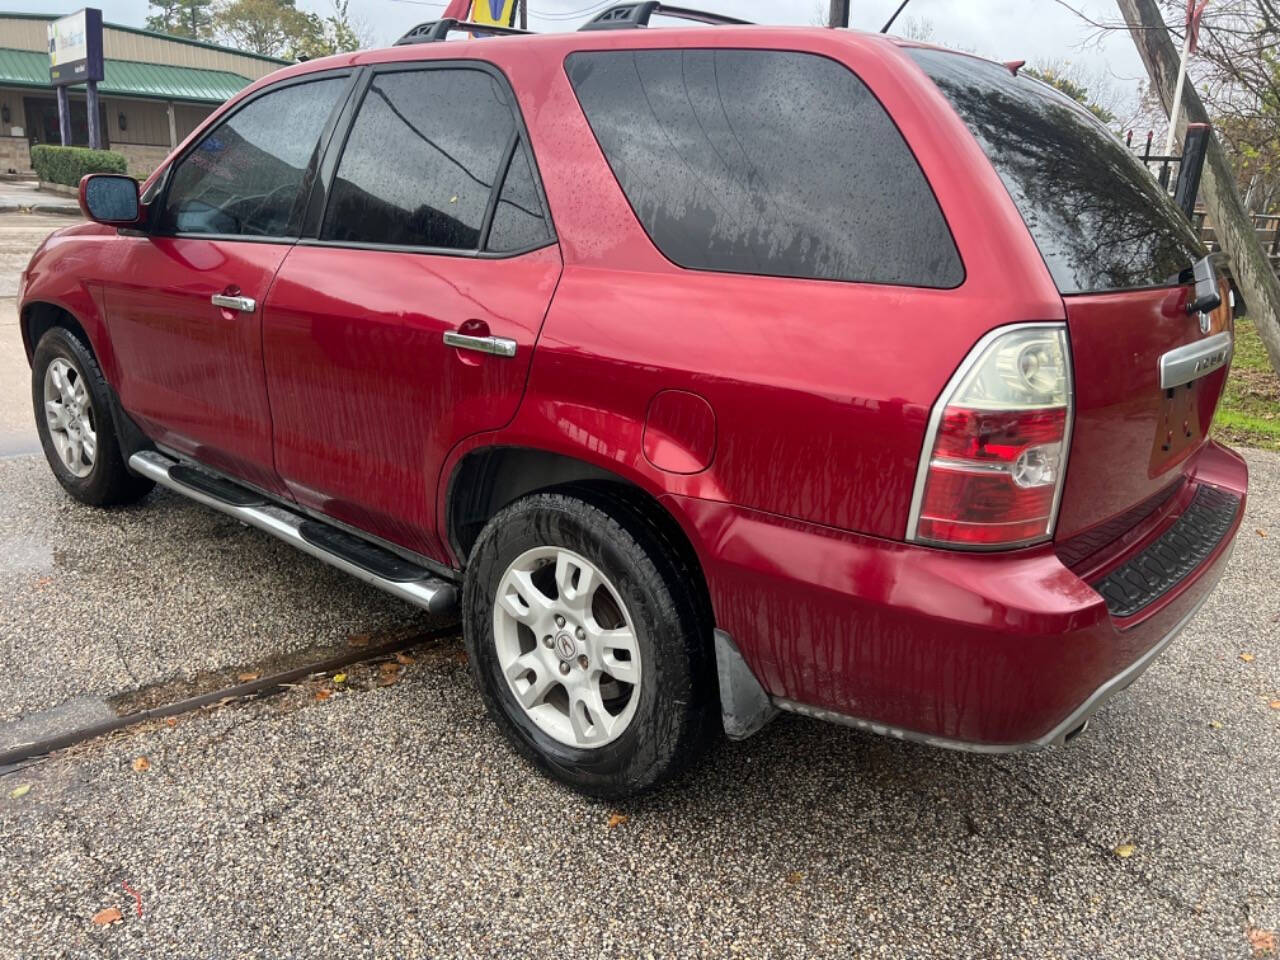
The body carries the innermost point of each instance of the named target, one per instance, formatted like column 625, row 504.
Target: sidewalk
column 21, row 196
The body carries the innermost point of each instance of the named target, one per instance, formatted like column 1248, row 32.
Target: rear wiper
column 1207, row 297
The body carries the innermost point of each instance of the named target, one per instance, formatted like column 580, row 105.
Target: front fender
column 63, row 275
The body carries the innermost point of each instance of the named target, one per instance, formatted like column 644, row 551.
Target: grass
column 1249, row 413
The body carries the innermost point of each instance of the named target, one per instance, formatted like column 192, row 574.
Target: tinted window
column 758, row 161
column 246, row 176
column 518, row 222
column 421, row 160
column 1100, row 220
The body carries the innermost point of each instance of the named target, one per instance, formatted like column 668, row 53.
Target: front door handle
column 498, row 346
column 243, row 304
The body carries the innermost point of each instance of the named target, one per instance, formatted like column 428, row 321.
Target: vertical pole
column 838, row 13
column 1176, row 108
column 64, row 116
column 524, row 13
column 173, row 125
column 91, row 105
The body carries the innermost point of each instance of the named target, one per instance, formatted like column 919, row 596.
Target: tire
column 102, row 479
column 657, row 725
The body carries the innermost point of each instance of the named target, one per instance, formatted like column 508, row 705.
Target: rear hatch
column 1120, row 253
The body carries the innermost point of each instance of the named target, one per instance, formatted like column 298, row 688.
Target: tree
column 1253, row 273
column 182, row 18
column 1068, row 79
column 277, row 28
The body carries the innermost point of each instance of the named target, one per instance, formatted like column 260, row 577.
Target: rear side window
column 765, row 162
column 246, row 176
column 422, row 159
column 518, row 221
column 1100, row 220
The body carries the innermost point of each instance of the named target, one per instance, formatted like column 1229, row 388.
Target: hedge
column 68, row 164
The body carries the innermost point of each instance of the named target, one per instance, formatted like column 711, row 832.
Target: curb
column 45, row 208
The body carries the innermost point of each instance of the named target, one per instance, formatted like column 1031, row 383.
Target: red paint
column 780, row 421
column 679, row 432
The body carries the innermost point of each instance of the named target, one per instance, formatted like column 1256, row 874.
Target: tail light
column 994, row 455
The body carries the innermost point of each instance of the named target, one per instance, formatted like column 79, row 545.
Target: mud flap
column 744, row 705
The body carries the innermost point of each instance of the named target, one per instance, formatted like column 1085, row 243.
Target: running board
column 363, row 560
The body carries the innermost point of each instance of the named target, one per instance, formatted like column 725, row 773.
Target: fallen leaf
column 339, row 678
column 21, row 790
column 248, row 677
column 389, row 666
column 171, row 721
column 324, row 693
column 387, row 679
column 795, row 876
column 1215, row 724
column 617, row 820
column 141, row 764
column 1124, row 851
column 1263, row 942
column 461, row 657
column 1247, row 657
column 404, row 659
column 1262, row 533
column 1274, row 704
column 43, row 582
column 107, row 916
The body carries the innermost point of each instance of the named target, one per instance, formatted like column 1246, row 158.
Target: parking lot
column 382, row 814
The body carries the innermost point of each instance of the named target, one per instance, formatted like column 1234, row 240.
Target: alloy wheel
column 69, row 413
column 567, row 647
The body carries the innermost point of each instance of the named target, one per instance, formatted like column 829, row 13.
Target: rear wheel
column 73, row 418
column 587, row 645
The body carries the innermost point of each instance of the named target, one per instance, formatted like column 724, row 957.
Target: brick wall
column 142, row 159
column 15, row 155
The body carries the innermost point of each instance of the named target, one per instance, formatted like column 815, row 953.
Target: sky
column 1033, row 30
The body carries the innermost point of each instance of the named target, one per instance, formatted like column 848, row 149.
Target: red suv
column 713, row 371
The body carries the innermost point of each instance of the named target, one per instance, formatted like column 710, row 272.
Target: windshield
column 1101, row 221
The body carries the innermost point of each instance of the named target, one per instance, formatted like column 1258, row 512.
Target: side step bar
column 368, row 562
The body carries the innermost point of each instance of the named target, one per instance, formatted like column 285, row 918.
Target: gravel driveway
column 383, row 815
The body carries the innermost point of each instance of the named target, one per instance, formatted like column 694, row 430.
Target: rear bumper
column 989, row 653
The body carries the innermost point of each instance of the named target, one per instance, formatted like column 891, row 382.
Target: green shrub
column 68, row 164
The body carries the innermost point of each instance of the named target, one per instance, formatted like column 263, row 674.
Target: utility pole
column 838, row 13
column 1233, row 226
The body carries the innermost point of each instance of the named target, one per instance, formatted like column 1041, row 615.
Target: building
column 155, row 91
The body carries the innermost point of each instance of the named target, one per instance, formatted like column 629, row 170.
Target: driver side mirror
column 111, row 199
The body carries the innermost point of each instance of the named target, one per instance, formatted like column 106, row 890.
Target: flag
column 499, row 13
column 1194, row 12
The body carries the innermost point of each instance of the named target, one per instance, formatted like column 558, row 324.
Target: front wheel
column 587, row 645
column 73, row 418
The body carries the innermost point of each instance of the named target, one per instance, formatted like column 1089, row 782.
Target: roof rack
column 435, row 30
column 629, row 16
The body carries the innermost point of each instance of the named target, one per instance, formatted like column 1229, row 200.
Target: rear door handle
column 243, row 304
column 497, row 346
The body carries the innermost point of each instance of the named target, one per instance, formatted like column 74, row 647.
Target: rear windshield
column 1101, row 221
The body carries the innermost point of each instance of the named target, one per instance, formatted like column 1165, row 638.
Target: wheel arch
column 486, row 479
column 41, row 316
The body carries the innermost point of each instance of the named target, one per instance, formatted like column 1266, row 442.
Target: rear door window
column 423, row 159
column 1101, row 221
column 248, row 176
column 765, row 162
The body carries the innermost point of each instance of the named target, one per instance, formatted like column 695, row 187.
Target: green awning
column 129, row 78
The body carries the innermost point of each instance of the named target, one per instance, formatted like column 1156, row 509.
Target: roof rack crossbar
column 629, row 16
column 435, row 30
